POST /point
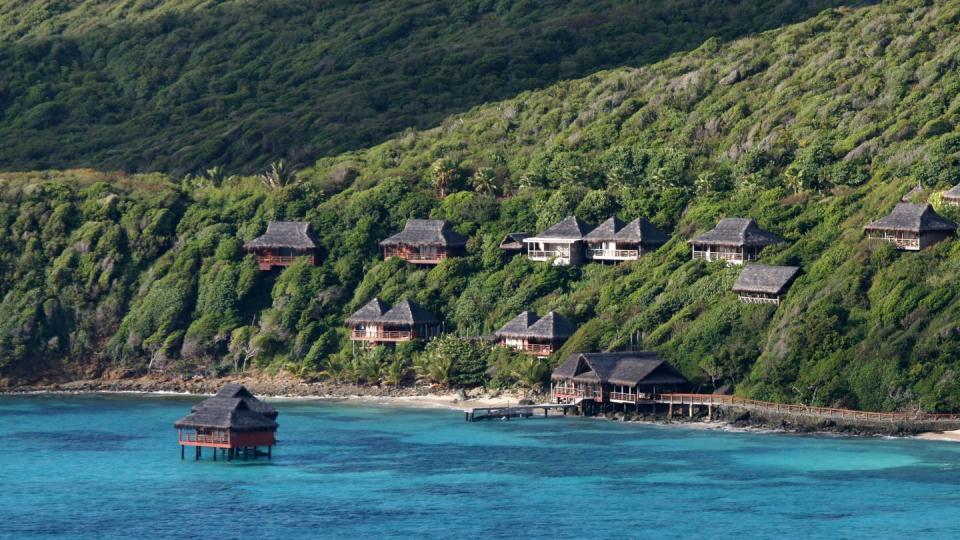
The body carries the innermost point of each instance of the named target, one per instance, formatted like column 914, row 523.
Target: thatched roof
column 952, row 194
column 606, row 231
column 638, row 231
column 517, row 326
column 623, row 368
column 231, row 413
column 514, row 241
column 761, row 278
column 426, row 232
column 737, row 232
column 371, row 312
column 551, row 326
column 407, row 312
column 570, row 228
column 917, row 218
column 284, row 234
column 237, row 390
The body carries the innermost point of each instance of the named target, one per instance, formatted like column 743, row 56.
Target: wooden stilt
column 269, row 452
column 182, row 449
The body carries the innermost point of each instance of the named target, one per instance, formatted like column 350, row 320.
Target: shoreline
column 286, row 387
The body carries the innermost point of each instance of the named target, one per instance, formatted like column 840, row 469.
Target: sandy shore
column 950, row 436
column 287, row 387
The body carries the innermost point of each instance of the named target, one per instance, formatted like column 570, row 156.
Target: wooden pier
column 686, row 402
column 516, row 411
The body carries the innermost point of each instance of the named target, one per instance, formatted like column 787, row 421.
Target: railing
column 752, row 299
column 576, row 392
column 215, row 438
column 414, row 256
column 801, row 410
column 547, row 254
column 279, row 260
column 720, row 256
column 903, row 243
column 613, row 253
column 395, row 335
column 537, row 348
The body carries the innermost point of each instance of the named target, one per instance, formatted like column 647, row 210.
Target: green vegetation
column 180, row 85
column 813, row 130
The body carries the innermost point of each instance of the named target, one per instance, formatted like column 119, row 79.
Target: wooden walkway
column 516, row 411
column 823, row 413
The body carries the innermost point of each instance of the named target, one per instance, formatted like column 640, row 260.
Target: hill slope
column 182, row 85
column 813, row 130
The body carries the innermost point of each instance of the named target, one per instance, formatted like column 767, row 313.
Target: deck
column 515, row 411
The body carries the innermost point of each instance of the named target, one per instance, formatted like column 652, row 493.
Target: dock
column 516, row 411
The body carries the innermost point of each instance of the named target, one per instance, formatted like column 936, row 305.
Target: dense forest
column 813, row 130
column 141, row 85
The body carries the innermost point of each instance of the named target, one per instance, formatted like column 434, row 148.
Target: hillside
column 813, row 130
column 182, row 85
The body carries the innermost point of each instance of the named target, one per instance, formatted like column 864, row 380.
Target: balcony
column 731, row 257
column 758, row 299
column 383, row 335
column 538, row 349
column 416, row 257
column 614, row 254
column 908, row 244
column 266, row 262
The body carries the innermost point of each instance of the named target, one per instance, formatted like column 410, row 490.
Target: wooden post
column 182, row 448
column 670, row 408
column 214, row 454
column 710, row 411
column 196, row 453
column 270, row 452
column 691, row 409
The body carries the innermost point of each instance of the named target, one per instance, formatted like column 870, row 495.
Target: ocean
column 108, row 466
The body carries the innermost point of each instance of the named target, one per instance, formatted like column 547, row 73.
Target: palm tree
column 484, row 181
column 278, row 176
column 530, row 371
column 443, row 172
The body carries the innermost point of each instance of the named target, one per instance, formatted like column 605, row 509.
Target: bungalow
column 734, row 240
column 762, row 284
column 562, row 243
column 376, row 322
column 541, row 337
column 282, row 244
column 424, row 241
column 911, row 227
column 614, row 377
column 952, row 196
column 614, row 241
column 230, row 421
column 512, row 243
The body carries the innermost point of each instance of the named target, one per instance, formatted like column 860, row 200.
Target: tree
column 530, row 371
column 443, row 173
column 278, row 176
column 484, row 181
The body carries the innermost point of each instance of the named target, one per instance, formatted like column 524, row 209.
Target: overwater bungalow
column 614, row 377
column 952, row 196
column 911, row 227
column 282, row 244
column 540, row 337
column 562, row 243
column 734, row 240
column 424, row 241
column 513, row 243
column 612, row 240
column 762, row 284
column 377, row 323
column 231, row 421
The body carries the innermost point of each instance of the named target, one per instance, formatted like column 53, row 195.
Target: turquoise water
column 109, row 467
